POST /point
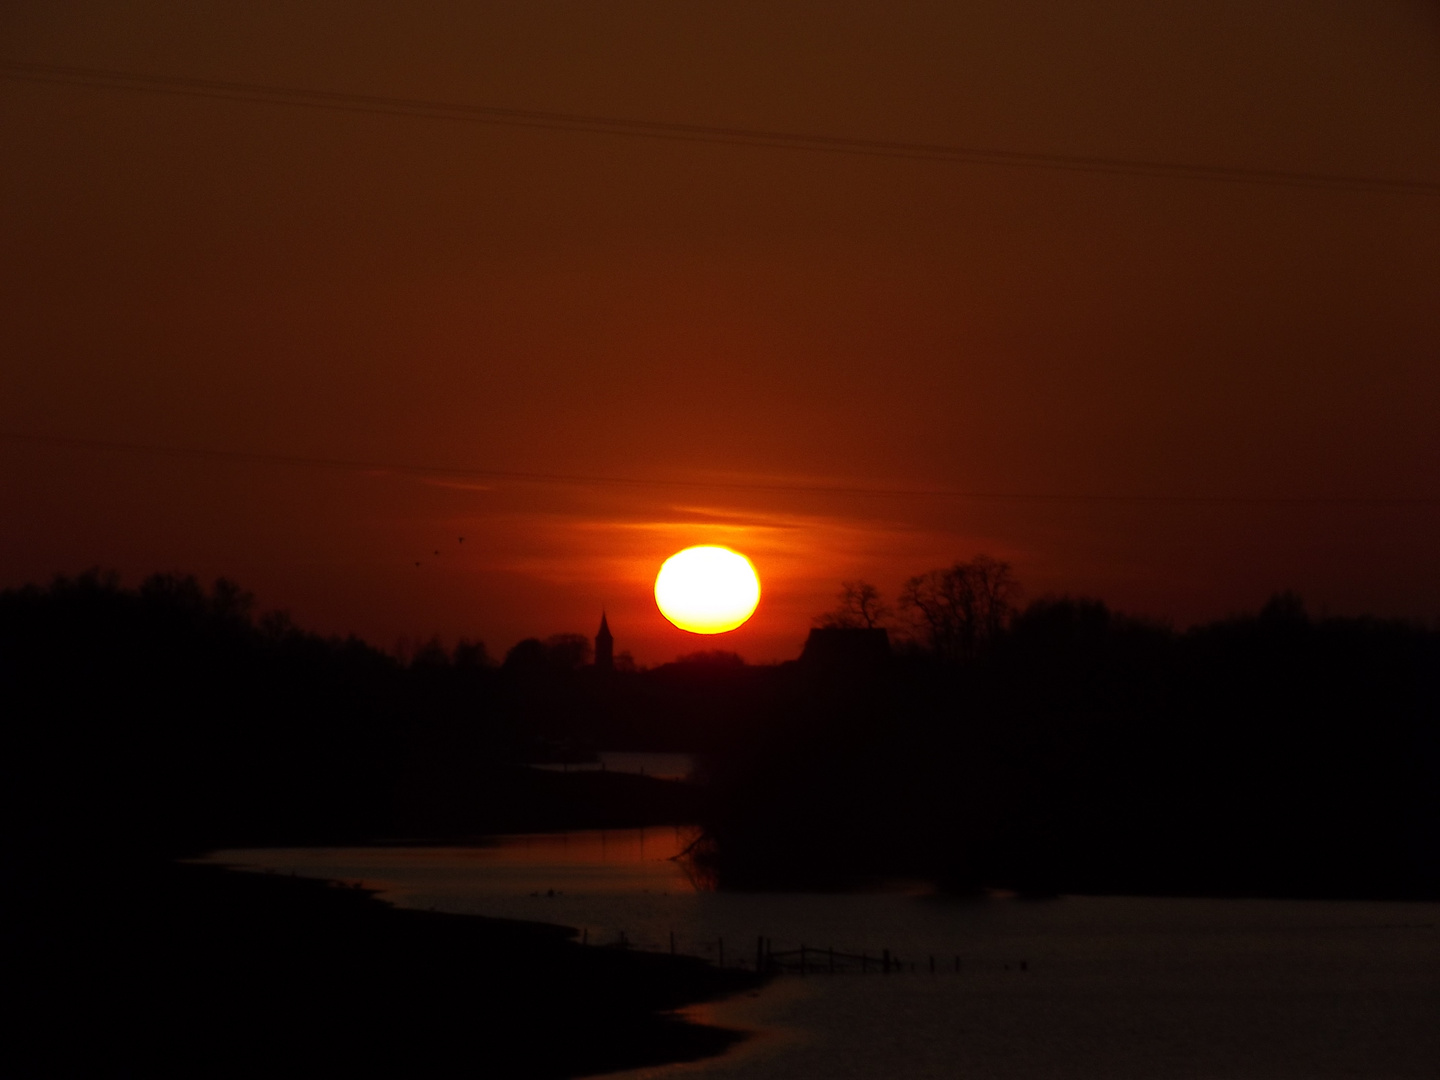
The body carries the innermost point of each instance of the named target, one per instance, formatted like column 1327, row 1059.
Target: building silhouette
column 604, row 646
column 846, row 650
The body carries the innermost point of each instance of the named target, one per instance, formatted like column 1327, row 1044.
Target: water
column 659, row 766
column 1113, row 987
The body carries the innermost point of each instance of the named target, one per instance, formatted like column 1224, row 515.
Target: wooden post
column 832, row 959
column 885, row 962
column 957, row 965
column 759, row 954
column 932, row 963
column 721, row 943
column 802, row 958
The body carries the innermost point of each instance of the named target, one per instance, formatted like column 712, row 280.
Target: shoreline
column 196, row 966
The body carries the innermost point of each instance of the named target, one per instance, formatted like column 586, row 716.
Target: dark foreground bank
column 208, row 971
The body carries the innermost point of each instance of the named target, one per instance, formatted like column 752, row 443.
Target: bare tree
column 964, row 608
column 997, row 595
column 937, row 603
column 568, row 651
column 860, row 606
column 470, row 655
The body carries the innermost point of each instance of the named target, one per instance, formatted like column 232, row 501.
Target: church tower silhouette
column 604, row 646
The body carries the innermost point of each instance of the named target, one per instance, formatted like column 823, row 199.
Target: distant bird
column 437, row 551
column 417, row 564
column 462, row 539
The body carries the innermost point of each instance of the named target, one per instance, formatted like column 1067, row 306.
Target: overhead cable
column 374, row 467
column 703, row 133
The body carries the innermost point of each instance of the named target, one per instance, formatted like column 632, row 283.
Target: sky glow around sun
column 584, row 350
column 707, row 589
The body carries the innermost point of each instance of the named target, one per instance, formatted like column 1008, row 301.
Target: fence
column 807, row 960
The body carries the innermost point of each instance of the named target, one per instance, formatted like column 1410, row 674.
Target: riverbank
column 1127, row 988
column 462, row 802
column 210, row 970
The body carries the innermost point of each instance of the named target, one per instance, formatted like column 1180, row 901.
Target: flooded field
column 1075, row 987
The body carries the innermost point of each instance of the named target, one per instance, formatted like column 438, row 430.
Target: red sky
column 738, row 330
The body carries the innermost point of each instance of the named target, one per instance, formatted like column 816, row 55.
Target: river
column 1106, row 987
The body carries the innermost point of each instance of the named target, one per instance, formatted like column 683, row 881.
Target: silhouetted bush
column 167, row 718
column 1078, row 749
column 1085, row 751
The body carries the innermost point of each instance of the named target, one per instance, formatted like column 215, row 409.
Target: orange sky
column 264, row 278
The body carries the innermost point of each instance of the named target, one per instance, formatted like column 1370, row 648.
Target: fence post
column 721, row 942
column 832, row 959
column 759, row 955
column 885, row 962
column 802, row 959
column 932, row 963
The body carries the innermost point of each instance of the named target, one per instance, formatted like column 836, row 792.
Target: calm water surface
column 1113, row 987
column 638, row 763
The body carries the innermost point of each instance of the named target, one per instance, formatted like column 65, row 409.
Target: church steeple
column 604, row 646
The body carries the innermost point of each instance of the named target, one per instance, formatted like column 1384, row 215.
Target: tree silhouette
column 558, row 653
column 860, row 607
column 470, row 655
column 568, row 652
column 962, row 609
column 715, row 658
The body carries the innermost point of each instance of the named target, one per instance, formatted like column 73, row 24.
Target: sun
column 707, row 589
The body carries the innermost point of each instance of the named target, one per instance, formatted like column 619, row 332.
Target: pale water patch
column 1112, row 987
column 636, row 763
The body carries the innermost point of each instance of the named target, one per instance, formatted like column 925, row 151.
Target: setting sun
column 707, row 589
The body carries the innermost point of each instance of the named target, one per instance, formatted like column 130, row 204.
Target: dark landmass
column 170, row 720
column 1058, row 748
column 144, row 725
column 452, row 801
column 1080, row 751
column 167, row 969
column 1061, row 747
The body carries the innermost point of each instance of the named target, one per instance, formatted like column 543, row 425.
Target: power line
column 704, row 133
column 584, row 480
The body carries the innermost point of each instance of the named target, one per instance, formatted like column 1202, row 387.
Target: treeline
column 174, row 717
column 171, row 718
column 1064, row 747
column 1057, row 746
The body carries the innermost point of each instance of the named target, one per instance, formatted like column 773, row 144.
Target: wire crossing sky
column 1140, row 299
column 262, row 458
column 735, row 136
